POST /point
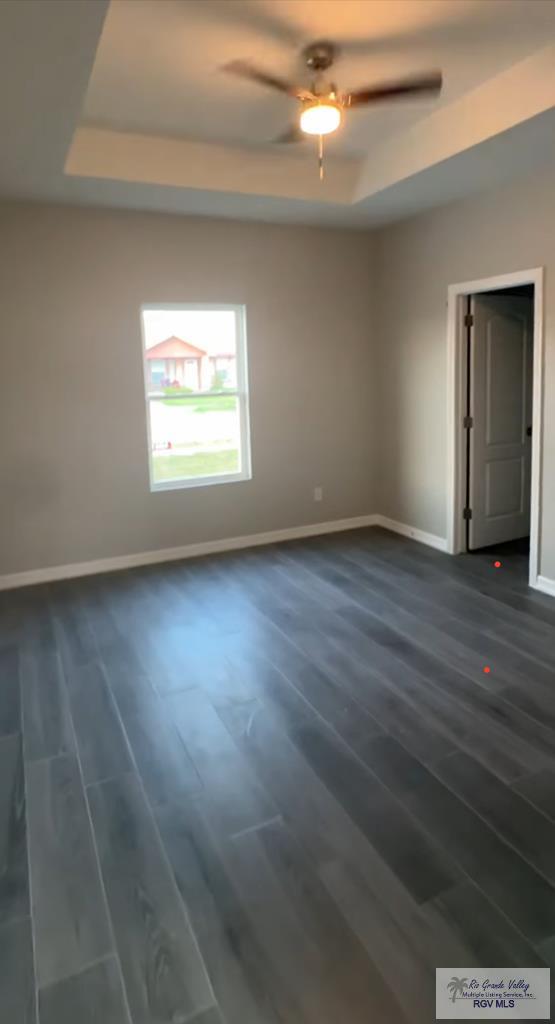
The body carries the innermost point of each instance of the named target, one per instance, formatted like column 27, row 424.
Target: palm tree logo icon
column 456, row 987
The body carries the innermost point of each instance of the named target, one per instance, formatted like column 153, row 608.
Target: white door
column 501, row 362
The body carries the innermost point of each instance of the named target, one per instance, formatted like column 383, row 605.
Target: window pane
column 190, row 350
column 195, row 375
column 194, row 436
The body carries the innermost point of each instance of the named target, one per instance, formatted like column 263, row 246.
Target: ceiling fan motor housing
column 320, row 56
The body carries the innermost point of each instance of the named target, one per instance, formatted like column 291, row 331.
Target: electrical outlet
column 318, row 493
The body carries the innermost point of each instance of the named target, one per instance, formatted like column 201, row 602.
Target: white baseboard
column 546, row 585
column 210, row 547
column 410, row 531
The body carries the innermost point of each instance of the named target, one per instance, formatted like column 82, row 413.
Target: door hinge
column 467, row 513
column 468, row 320
column 468, row 421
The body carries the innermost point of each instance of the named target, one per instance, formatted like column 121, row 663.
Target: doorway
column 495, row 414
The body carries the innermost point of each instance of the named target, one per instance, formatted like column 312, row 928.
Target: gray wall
column 507, row 230
column 73, row 458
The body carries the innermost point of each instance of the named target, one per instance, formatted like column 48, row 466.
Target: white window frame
column 241, row 392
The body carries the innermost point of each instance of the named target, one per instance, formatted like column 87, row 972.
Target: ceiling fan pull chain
column 321, row 156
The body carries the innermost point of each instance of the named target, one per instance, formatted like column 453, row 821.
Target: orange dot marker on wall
column 487, row 668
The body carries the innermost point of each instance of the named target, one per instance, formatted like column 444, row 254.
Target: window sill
column 204, row 481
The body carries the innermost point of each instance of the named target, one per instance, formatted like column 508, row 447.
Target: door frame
column 456, row 390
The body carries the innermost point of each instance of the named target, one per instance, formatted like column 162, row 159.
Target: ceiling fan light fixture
column 320, row 118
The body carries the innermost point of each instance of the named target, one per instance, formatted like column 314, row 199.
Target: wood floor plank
column 238, row 801
column 243, row 977
column 536, row 702
column 428, row 684
column 396, row 767
column 155, row 631
column 509, row 814
column 373, row 900
column 517, row 735
column 319, row 690
column 13, row 615
column 70, row 919
column 10, row 701
column 202, row 664
column 17, row 978
column 93, row 996
column 508, row 880
column 293, row 575
column 539, row 789
column 320, row 962
column 47, row 728
column 320, row 822
column 103, row 750
column 221, row 594
column 474, row 635
column 272, row 580
column 348, row 662
column 14, row 887
column 487, row 934
column 523, row 895
column 156, row 749
column 411, row 854
column 167, row 771
column 204, row 605
column 167, row 660
column 203, row 643
column 97, row 602
column 75, row 640
column 239, row 683
column 343, row 800
column 476, row 606
column 164, row 975
column 344, row 659
column 212, row 1016
column 400, row 946
column 471, row 572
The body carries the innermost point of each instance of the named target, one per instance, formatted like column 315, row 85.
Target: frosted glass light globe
column 320, row 118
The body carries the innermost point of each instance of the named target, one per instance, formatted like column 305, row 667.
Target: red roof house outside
column 175, row 362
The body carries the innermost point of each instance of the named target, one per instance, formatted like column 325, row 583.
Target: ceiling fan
column 323, row 105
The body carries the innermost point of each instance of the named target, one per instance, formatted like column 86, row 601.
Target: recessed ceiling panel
column 158, row 65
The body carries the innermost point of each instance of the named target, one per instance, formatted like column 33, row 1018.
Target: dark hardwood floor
column 274, row 787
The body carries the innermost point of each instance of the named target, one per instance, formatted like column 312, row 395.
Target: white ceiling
column 124, row 104
column 158, row 67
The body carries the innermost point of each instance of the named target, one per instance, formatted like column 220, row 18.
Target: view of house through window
column 196, row 394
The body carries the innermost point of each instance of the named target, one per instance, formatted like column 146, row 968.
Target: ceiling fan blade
column 430, row 82
column 292, row 134
column 244, row 69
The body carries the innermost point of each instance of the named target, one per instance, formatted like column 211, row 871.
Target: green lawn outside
column 180, row 467
column 217, row 403
column 177, row 391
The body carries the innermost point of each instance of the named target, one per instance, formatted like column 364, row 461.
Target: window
column 195, row 368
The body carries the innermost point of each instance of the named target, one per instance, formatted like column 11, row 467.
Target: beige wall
column 73, row 458
column 496, row 233
column 347, row 356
